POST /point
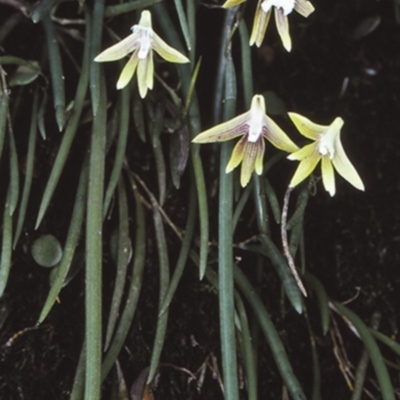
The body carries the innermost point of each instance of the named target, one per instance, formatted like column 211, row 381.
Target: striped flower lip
column 326, row 147
column 253, row 126
column 141, row 43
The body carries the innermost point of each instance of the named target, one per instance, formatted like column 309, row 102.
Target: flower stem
column 225, row 240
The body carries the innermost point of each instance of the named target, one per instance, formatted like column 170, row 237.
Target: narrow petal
column 304, row 7
column 306, row 166
column 119, row 50
column 225, row 131
column 150, row 72
column 282, row 24
column 328, row 175
column 345, row 168
column 306, row 127
column 167, row 52
column 145, row 20
column 143, row 83
column 277, row 137
column 128, row 71
column 232, row 3
column 259, row 165
column 304, row 152
column 248, row 163
column 260, row 24
column 237, row 154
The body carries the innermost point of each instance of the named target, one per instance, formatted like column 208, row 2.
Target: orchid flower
column 142, row 41
column 326, row 147
column 282, row 8
column 254, row 125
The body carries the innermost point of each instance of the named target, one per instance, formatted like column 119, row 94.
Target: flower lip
column 327, row 141
column 145, row 43
column 256, row 124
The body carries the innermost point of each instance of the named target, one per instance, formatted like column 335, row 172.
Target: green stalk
column 194, row 128
column 247, row 74
column 138, row 263
column 225, row 253
column 270, row 250
column 4, row 102
column 322, row 298
column 240, row 205
column 271, row 335
column 6, row 246
column 375, row 355
column 316, row 385
column 362, row 366
column 162, row 320
column 122, row 261
column 30, row 159
column 95, row 68
column 121, row 148
column 94, row 221
column 57, row 73
column 183, row 22
column 71, row 128
column 392, row 344
column 246, row 344
column 155, row 132
column 14, row 174
column 79, row 378
column 71, row 242
column 183, row 255
column 42, row 9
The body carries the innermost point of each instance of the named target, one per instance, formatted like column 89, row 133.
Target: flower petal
column 128, row 71
column 145, row 81
column 306, row 166
column 259, row 164
column 304, row 152
column 260, row 24
column 150, row 72
column 145, row 20
column 304, row 7
column 167, row 52
column 306, row 127
column 328, row 175
column 119, row 50
column 232, row 3
column 277, row 136
column 237, row 155
column 282, row 24
column 248, row 163
column 225, row 131
column 344, row 167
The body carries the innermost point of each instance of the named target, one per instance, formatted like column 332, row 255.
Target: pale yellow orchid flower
column 142, row 41
column 254, row 125
column 282, row 8
column 326, row 147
